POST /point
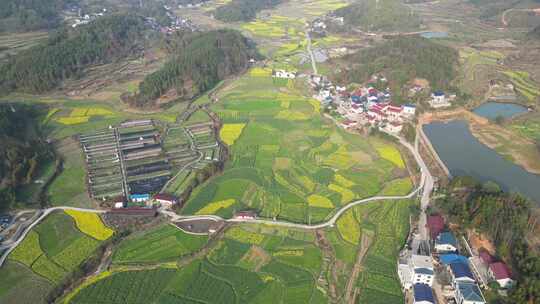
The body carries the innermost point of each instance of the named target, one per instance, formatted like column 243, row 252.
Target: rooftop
column 500, row 271
column 422, row 292
column 461, row 270
column 470, row 292
column 422, row 261
column 451, row 258
column 446, row 238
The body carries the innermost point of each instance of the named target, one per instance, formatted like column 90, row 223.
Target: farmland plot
column 283, row 158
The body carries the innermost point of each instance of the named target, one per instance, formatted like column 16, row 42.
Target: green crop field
column 18, row 284
column 54, row 248
column 279, row 158
column 164, row 243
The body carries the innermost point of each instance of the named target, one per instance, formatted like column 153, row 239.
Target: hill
column 382, row 15
column 67, row 52
column 22, row 151
column 492, row 8
column 24, row 15
column 199, row 61
column 243, row 10
column 402, row 59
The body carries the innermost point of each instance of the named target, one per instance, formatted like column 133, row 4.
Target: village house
column 423, row 294
column 435, row 224
column 165, row 200
column 421, row 267
column 246, row 215
column 139, row 198
column 409, row 110
column 500, row 273
column 393, row 127
column 461, row 273
column 451, row 258
column 469, row 293
column 283, row 74
column 439, row 100
column 445, row 242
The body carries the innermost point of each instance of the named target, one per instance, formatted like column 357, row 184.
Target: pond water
column 463, row 154
column 430, row 35
column 491, row 110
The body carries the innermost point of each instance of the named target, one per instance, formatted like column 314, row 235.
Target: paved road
column 428, row 188
column 13, row 244
column 426, row 183
column 310, row 51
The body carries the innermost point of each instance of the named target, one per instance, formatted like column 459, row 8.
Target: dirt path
column 365, row 242
column 329, row 258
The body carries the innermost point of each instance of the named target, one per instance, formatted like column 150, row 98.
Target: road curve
column 426, row 184
column 44, row 214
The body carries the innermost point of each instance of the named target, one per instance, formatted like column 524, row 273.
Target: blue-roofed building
column 450, row 258
column 423, row 294
column 446, row 242
column 461, row 273
column 438, row 100
column 139, row 198
column 409, row 109
column 469, row 293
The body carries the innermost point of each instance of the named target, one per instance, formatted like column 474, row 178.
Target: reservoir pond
column 464, row 155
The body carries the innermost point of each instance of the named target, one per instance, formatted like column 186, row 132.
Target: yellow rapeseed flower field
column 91, row 224
column 229, row 133
column 391, row 154
column 216, row 206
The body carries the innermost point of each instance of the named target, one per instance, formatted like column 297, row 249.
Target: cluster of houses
column 319, row 26
column 418, row 270
column 365, row 106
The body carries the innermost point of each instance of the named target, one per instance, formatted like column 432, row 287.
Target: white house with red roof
column 394, row 113
column 393, row 127
column 500, row 272
column 166, row 199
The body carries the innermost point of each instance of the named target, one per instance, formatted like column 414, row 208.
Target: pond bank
column 519, row 150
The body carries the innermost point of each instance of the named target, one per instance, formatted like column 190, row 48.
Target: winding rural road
column 504, row 19
column 11, row 245
column 310, row 51
column 426, row 184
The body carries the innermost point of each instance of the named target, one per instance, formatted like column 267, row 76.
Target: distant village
column 75, row 16
column 367, row 106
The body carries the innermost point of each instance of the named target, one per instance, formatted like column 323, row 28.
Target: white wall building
column 421, row 269
column 284, row 74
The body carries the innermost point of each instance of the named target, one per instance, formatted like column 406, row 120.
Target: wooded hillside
column 509, row 221
column 27, row 15
column 22, row 151
column 67, row 52
column 402, row 59
column 199, row 61
column 243, row 10
column 381, row 15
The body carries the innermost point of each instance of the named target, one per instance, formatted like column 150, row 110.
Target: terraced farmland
column 287, row 161
column 50, row 252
